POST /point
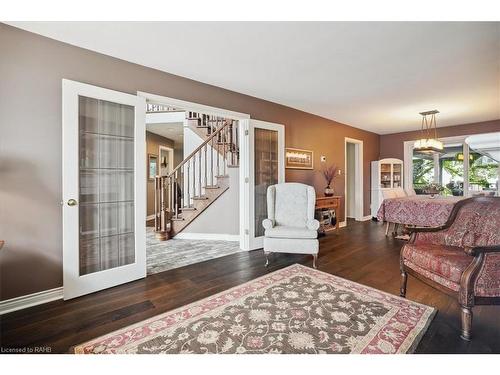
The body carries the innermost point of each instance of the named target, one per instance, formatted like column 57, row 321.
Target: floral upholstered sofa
column 461, row 258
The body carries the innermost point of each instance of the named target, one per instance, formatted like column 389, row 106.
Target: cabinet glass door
column 397, row 175
column 385, row 175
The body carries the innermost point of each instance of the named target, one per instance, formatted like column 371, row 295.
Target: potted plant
column 329, row 173
column 433, row 189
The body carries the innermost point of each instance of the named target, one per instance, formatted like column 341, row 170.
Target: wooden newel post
column 162, row 211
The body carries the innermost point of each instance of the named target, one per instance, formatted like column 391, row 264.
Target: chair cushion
column 400, row 192
column 388, row 194
column 448, row 262
column 445, row 265
column 282, row 231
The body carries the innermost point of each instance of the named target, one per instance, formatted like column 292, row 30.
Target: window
column 468, row 166
column 483, row 175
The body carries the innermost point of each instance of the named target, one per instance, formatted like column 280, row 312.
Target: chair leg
column 404, row 281
column 387, row 228
column 267, row 259
column 315, row 258
column 466, row 323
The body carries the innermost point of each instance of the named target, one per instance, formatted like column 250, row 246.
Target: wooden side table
column 329, row 203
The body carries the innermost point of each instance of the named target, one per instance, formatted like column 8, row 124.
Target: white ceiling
column 171, row 130
column 373, row 75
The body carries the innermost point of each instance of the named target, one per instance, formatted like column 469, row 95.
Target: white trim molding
column 358, row 178
column 192, row 107
column 342, row 224
column 208, row 236
column 30, row 300
column 366, row 218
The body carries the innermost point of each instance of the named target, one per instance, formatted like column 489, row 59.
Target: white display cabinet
column 386, row 174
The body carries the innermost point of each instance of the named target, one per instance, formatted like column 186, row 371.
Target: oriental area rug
column 294, row 310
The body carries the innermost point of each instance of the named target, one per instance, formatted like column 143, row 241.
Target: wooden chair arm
column 426, row 229
column 475, row 251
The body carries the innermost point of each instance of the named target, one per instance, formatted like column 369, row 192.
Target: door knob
column 72, row 202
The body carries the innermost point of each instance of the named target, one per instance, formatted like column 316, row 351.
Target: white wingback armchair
column 290, row 226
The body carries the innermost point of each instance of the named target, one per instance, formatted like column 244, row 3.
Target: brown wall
column 391, row 145
column 153, row 143
column 31, row 68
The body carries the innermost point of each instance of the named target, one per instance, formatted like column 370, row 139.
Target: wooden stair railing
column 196, row 175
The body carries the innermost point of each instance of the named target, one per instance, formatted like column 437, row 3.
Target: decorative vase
column 328, row 191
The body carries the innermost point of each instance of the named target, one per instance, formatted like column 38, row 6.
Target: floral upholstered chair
column 461, row 258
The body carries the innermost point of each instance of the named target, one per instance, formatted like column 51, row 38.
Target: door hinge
column 246, row 132
column 246, row 231
column 246, row 180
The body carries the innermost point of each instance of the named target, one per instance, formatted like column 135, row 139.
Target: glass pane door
column 451, row 170
column 106, row 188
column 263, row 158
column 423, row 171
column 484, row 175
column 266, row 172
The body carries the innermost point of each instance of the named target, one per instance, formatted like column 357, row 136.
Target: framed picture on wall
column 152, row 166
column 299, row 159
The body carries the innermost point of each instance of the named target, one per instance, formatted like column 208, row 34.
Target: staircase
column 200, row 178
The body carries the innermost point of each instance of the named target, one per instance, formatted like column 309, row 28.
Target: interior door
column 104, row 188
column 265, row 166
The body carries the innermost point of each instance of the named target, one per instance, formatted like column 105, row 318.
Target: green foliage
column 421, row 169
column 482, row 171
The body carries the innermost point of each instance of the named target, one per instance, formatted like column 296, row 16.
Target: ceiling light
column 429, row 143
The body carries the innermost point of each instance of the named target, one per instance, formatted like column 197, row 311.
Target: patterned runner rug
column 293, row 310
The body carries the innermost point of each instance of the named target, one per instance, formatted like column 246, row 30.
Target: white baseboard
column 30, row 300
column 208, row 236
column 150, row 217
column 342, row 224
column 366, row 218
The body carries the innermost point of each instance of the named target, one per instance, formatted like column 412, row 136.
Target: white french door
column 104, row 188
column 263, row 162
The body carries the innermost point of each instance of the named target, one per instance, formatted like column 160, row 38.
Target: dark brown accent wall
column 31, row 70
column 392, row 145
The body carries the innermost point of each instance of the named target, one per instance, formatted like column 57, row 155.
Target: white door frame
column 358, row 179
column 243, row 121
column 74, row 284
column 247, row 196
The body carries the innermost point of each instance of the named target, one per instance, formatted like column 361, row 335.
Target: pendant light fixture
column 429, row 143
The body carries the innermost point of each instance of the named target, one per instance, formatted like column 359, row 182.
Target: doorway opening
column 353, row 179
column 193, row 184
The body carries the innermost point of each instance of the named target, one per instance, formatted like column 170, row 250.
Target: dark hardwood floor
column 359, row 252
